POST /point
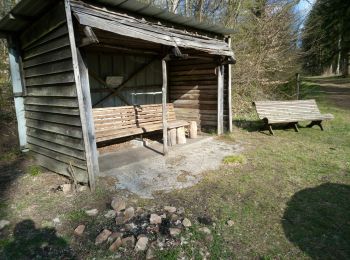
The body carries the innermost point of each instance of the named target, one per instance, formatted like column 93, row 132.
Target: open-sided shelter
column 84, row 71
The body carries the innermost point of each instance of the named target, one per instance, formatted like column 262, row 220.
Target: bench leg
column 269, row 127
column 295, row 126
column 319, row 123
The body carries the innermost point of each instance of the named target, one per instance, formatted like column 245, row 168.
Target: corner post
column 229, row 89
column 220, row 109
column 18, row 90
column 164, row 107
column 84, row 100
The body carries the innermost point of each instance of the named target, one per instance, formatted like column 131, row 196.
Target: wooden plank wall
column 193, row 90
column 52, row 113
column 144, row 88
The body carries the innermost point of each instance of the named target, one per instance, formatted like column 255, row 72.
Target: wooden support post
column 164, row 107
column 18, row 90
column 84, row 101
column 181, row 136
column 297, row 75
column 229, row 90
column 172, row 137
column 193, row 129
column 220, row 112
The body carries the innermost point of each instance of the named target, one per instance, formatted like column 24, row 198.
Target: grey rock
column 186, row 222
column 118, row 204
column 170, row 209
column 115, row 245
column 174, row 231
column 91, row 212
column 141, row 244
column 155, row 219
column 129, row 214
column 79, row 230
column 110, row 214
column 102, row 237
column 128, row 242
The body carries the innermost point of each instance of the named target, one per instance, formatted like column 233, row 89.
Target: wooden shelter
column 75, row 62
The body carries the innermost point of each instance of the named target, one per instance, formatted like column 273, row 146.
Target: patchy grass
column 34, row 170
column 289, row 201
column 234, row 159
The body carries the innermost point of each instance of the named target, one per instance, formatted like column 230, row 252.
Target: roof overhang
column 22, row 15
column 130, row 26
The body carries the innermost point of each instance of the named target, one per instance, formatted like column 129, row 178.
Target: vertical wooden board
column 83, row 97
column 164, row 107
column 229, row 90
column 220, row 102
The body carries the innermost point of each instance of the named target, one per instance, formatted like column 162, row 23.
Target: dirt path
column 337, row 90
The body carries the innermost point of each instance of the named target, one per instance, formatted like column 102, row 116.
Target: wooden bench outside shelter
column 117, row 122
column 290, row 112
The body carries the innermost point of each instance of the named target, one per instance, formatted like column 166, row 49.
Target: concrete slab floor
column 144, row 170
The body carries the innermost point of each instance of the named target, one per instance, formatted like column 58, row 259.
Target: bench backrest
column 287, row 111
column 119, row 121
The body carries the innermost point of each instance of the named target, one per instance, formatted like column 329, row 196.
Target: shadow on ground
column 258, row 126
column 32, row 243
column 317, row 220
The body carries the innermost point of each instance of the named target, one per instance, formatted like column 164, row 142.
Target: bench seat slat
column 290, row 111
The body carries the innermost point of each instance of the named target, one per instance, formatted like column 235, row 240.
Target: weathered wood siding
column 193, row 90
column 52, row 112
column 144, row 88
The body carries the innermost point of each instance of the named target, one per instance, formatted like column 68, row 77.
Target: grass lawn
column 289, row 200
column 287, row 197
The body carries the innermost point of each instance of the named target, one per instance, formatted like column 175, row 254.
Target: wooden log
column 181, row 136
column 172, row 137
column 193, row 129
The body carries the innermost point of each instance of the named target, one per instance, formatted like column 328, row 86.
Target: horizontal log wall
column 144, row 88
column 193, row 90
column 52, row 112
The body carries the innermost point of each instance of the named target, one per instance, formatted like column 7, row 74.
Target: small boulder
column 102, row 237
column 128, row 242
column 4, row 223
column 130, row 226
column 155, row 219
column 114, row 236
column 141, row 244
column 129, row 214
column 118, row 204
column 170, row 209
column 186, row 222
column 110, row 214
column 174, row 232
column 115, row 245
column 91, row 212
column 79, row 230
column 205, row 230
column 174, row 217
column 66, row 188
column 230, row 223
column 119, row 220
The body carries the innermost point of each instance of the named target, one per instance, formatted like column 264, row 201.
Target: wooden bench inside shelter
column 117, row 122
column 290, row 112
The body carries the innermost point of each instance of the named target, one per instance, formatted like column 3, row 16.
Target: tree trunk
column 339, row 55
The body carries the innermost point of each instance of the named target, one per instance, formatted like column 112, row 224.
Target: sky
column 304, row 7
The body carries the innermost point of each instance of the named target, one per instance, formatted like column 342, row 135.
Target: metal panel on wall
column 143, row 88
